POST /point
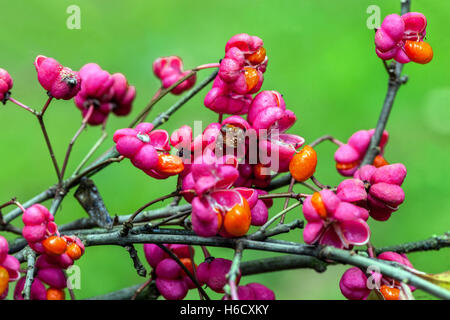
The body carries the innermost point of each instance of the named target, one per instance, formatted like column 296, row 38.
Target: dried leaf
column 440, row 279
column 90, row 199
column 375, row 295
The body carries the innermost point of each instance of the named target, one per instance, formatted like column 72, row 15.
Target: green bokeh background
column 321, row 59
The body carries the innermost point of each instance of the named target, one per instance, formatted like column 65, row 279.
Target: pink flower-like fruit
column 60, row 82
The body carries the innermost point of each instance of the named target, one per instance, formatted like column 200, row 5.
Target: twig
column 433, row 243
column 91, row 152
column 325, row 138
column 56, row 202
column 291, row 195
column 149, row 292
column 40, row 117
column 165, row 220
column 75, row 137
column 140, row 269
column 20, row 104
column 129, row 223
column 280, row 228
column 232, row 275
column 151, row 104
column 280, row 214
column 286, row 201
column 45, row 195
column 141, row 288
column 31, row 260
column 309, row 186
column 319, row 184
column 144, row 216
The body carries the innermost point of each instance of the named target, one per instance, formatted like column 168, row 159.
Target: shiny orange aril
column 55, row 294
column 390, row 293
column 251, row 77
column 317, row 203
column 303, row 164
column 379, row 161
column 169, row 164
column 237, row 220
column 418, row 51
column 55, row 245
column 74, row 251
column 187, row 262
column 346, row 166
column 260, row 172
column 257, row 57
column 4, row 279
column 219, row 220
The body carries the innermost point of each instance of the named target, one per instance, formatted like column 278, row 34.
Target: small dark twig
column 325, row 138
column 319, row 184
column 140, row 269
column 128, row 225
column 188, row 273
column 286, row 201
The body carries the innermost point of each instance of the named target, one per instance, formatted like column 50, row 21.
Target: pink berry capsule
column 61, row 82
column 6, row 84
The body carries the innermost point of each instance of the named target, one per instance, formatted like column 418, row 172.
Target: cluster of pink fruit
column 170, row 70
column 354, row 286
column 95, row 91
column 9, row 268
column 56, row 254
column 225, row 189
column 173, row 283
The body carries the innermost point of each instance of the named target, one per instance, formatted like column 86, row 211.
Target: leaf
column 375, row 295
column 440, row 279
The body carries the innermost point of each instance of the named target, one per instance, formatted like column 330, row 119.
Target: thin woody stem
column 129, row 223
column 319, row 184
column 92, row 151
column 75, row 137
column 141, row 288
column 50, row 98
column 8, row 203
column 40, row 117
column 290, row 195
column 31, row 261
column 19, row 205
column 152, row 103
column 206, row 66
column 280, row 214
column 325, row 138
column 234, row 272
column 286, row 202
column 20, row 104
column 194, row 270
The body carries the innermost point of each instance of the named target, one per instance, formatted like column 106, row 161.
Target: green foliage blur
column 321, row 58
